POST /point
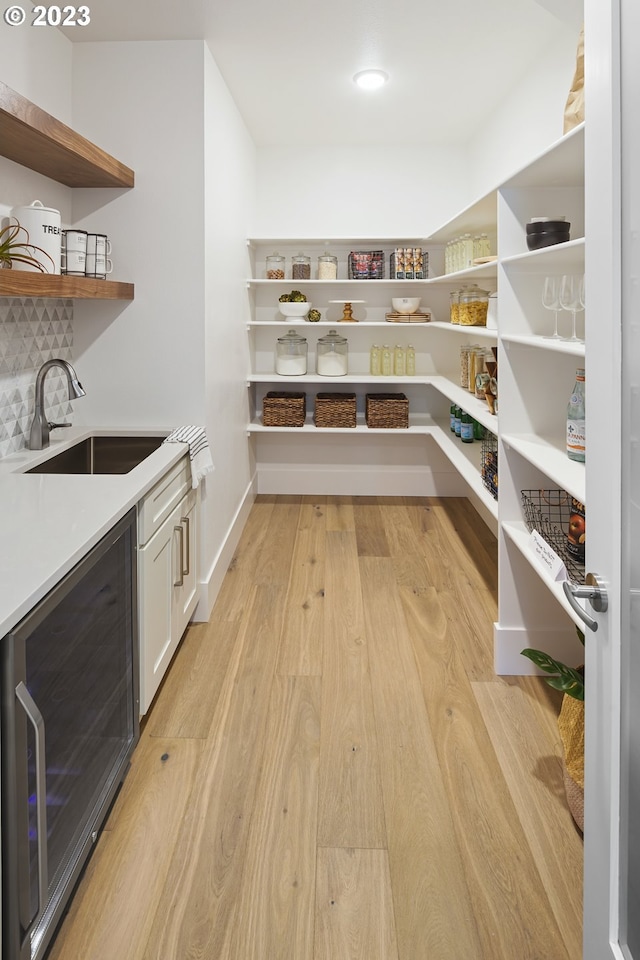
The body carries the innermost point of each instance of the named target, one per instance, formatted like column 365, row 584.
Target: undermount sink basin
column 100, row 455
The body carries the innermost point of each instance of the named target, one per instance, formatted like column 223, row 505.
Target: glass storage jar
column 291, row 355
column 473, row 306
column 301, row 267
column 332, row 355
column 275, row 267
column 327, row 267
column 454, row 306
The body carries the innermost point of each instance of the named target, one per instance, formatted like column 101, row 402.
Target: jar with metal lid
column 332, row 355
column 275, row 267
column 473, row 306
column 301, row 267
column 291, row 355
column 327, row 267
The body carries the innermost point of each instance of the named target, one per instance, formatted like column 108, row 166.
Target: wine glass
column 551, row 300
column 570, row 300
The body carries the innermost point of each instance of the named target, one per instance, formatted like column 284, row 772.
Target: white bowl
column 295, row 309
column 406, row 305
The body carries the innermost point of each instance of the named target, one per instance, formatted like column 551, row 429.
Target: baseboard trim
column 508, row 643
column 353, row 480
column 209, row 587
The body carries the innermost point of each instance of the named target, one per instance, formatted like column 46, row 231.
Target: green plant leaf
column 567, row 679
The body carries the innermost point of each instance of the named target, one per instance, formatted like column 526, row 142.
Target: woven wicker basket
column 387, row 410
column 335, row 410
column 284, row 409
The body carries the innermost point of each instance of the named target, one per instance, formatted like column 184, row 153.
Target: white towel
column 199, row 453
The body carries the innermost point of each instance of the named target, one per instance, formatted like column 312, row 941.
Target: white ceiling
column 289, row 63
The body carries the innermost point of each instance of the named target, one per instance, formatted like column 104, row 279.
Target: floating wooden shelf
column 33, row 138
column 20, row 283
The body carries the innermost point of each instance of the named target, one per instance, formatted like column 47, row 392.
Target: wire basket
column 548, row 512
column 489, row 463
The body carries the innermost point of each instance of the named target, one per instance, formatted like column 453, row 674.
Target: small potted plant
column 16, row 247
column 570, row 680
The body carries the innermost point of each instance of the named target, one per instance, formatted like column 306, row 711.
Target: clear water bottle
column 576, row 427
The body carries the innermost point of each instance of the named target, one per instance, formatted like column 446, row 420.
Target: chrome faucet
column 40, row 426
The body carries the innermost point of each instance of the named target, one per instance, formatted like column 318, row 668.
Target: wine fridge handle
column 37, row 721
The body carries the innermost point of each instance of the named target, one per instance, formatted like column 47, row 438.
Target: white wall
column 142, row 362
column 229, row 198
column 356, row 191
column 528, row 120
column 178, row 353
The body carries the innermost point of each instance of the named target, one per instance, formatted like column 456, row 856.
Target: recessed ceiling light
column 371, row 79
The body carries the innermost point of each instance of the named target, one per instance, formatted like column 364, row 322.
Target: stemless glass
column 570, row 300
column 551, row 300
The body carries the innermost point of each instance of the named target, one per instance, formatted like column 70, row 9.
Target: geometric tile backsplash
column 32, row 331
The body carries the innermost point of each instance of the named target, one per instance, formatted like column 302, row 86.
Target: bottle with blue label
column 576, row 426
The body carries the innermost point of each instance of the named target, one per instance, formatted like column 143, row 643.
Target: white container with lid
column 43, row 227
column 332, row 355
column 291, row 355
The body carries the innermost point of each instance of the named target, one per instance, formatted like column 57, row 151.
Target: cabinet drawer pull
column 180, row 531
column 187, row 525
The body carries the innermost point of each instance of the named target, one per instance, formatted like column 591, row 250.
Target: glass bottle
column 576, row 427
column 411, row 361
column 386, row 361
column 466, row 427
column 467, row 251
column 399, row 364
column 374, row 360
column 301, row 267
column 457, row 421
column 452, row 417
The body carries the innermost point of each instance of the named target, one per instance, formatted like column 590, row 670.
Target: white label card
column 547, row 557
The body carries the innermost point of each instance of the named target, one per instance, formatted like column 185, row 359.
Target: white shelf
column 485, row 333
column 418, row 424
column 352, row 378
column 365, row 242
column 573, row 348
column 560, row 165
column 466, row 458
column 470, row 403
column 545, row 261
column 552, row 460
column 482, row 271
column 383, row 282
column 336, row 324
column 478, row 217
column 518, row 533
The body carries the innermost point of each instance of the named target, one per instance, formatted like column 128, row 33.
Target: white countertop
column 49, row 521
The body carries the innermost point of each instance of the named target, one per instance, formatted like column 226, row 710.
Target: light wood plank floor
column 331, row 770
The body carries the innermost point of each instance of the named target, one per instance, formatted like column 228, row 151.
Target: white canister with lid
column 43, row 226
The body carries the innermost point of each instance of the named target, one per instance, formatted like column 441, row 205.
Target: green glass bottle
column 466, row 428
column 576, row 432
column 452, row 417
column 457, row 421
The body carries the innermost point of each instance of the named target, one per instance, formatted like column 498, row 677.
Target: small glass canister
column 327, row 267
column 275, row 267
column 291, row 355
column 332, row 355
column 465, row 352
column 301, row 267
column 454, row 306
column 474, row 303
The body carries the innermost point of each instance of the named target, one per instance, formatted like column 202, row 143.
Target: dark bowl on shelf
column 542, row 226
column 535, row 241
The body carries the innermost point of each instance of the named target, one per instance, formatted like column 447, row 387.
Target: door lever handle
column 594, row 591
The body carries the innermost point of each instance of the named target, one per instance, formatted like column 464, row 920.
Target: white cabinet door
column 185, row 582
column 156, row 563
column 612, row 794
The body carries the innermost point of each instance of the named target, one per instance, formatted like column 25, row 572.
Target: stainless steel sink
column 100, row 455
